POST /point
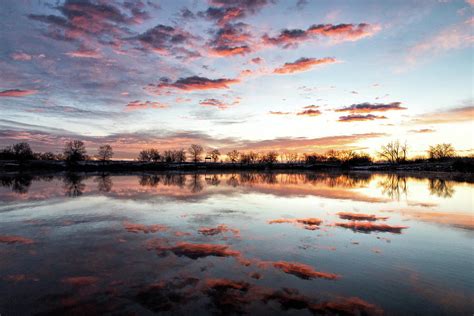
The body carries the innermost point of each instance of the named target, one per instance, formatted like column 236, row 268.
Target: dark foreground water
column 243, row 243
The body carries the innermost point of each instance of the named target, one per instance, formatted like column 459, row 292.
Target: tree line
column 74, row 151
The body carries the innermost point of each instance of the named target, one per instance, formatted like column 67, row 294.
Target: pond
column 236, row 243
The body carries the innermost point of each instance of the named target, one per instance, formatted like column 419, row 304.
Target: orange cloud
column 136, row 228
column 422, row 131
column 15, row 240
column 85, row 53
column 140, row 105
column 16, row 93
column 360, row 216
column 217, row 103
column 368, row 227
column 460, row 114
column 279, row 113
column 193, row 83
column 309, row 112
column 303, row 271
column 210, row 231
column 303, row 64
column 307, row 223
column 340, row 32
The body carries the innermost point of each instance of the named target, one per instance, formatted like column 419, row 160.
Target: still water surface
column 241, row 243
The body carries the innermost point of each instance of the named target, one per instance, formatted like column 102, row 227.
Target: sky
column 292, row 76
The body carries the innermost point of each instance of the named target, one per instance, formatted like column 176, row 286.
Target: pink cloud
column 303, row 64
column 17, row 93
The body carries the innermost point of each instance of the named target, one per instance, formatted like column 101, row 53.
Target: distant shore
column 453, row 165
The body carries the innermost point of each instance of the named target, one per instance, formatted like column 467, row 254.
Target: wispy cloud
column 17, row 93
column 303, row 64
column 372, row 107
column 454, row 37
column 360, row 117
column 290, row 38
column 453, row 115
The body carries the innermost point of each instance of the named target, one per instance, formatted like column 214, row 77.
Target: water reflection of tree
column 268, row 178
column 73, row 185
column 394, row 186
column 233, row 181
column 213, row 180
column 195, row 185
column 175, row 179
column 147, row 180
column 104, row 182
column 441, row 188
column 338, row 180
column 18, row 183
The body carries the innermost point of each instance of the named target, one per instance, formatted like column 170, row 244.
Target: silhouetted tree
column 270, row 157
column 105, row 153
column 233, row 155
column 394, row 152
column 214, row 154
column 441, row 151
column 47, row 156
column 7, row 153
column 180, row 155
column 196, row 152
column 74, row 151
column 291, row 157
column 151, row 154
column 144, row 155
column 22, row 151
column 169, row 156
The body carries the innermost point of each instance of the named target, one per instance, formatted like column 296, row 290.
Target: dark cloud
column 193, row 83
column 360, row 216
column 367, row 107
column 309, row 112
column 231, row 39
column 186, row 14
column 368, row 227
column 83, row 19
column 223, row 12
column 167, row 40
column 360, row 117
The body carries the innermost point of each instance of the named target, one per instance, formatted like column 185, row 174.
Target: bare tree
column 291, row 157
column 196, row 152
column 271, row 157
column 144, row 155
column 394, row 152
column 215, row 153
column 180, row 155
column 441, row 151
column 155, row 155
column 169, row 156
column 105, row 153
column 75, row 151
column 233, row 155
column 22, row 151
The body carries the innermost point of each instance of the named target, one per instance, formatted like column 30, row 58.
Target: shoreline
column 461, row 165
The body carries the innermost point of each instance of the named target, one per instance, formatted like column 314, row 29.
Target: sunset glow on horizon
column 292, row 76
